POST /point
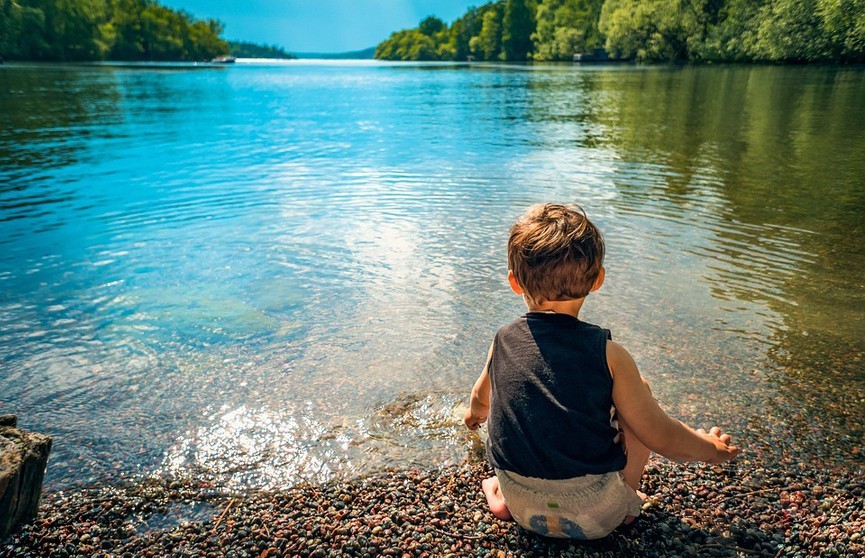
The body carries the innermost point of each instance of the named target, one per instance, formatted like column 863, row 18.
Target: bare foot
column 495, row 500
column 630, row 518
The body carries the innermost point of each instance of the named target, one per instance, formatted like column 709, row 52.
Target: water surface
column 278, row 272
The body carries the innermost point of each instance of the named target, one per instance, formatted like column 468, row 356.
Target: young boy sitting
column 571, row 421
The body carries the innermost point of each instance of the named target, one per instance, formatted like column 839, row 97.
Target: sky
column 320, row 25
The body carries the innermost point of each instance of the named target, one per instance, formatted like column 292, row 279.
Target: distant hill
column 365, row 54
column 243, row 49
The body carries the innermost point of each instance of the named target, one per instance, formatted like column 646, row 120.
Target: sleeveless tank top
column 551, row 406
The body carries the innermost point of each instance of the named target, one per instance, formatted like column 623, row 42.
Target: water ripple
column 292, row 271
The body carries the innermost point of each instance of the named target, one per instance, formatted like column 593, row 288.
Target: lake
column 276, row 272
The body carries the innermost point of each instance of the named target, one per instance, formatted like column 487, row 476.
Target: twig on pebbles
column 225, row 511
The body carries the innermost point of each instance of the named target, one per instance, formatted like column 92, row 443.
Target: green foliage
column 789, row 30
column 736, row 30
column 646, row 30
column 468, row 27
column 104, row 29
column 409, row 44
column 566, row 27
column 844, row 26
column 518, row 24
column 653, row 30
column 431, row 25
column 430, row 41
column 732, row 36
column 487, row 45
column 243, row 49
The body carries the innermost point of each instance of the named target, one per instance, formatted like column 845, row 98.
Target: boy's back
column 552, row 415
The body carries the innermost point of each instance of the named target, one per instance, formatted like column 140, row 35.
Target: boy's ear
column 600, row 280
column 512, row 279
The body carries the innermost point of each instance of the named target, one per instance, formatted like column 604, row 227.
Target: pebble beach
column 743, row 508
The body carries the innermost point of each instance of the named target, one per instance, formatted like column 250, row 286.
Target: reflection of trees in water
column 49, row 118
column 49, row 112
column 782, row 148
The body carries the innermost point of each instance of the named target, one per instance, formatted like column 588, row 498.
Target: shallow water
column 278, row 272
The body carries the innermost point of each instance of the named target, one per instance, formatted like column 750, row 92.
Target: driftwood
column 23, row 457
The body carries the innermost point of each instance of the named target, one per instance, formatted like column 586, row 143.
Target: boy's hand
column 722, row 442
column 473, row 421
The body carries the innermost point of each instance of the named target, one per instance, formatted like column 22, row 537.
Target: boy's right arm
column 657, row 430
column 479, row 404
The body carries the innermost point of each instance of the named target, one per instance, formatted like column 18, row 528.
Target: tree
column 518, row 24
column 844, row 24
column 487, row 45
column 431, row 25
column 733, row 35
column 409, row 44
column 652, row 30
column 790, row 30
column 126, row 20
column 467, row 27
column 566, row 27
column 100, row 29
column 10, row 28
column 648, row 30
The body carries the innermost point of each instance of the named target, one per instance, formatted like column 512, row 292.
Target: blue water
column 276, row 272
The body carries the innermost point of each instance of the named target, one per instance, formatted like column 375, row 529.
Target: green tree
column 431, row 25
column 10, row 28
column 487, row 45
column 243, row 49
column 844, row 25
column 126, row 21
column 790, row 30
column 78, row 31
column 652, row 30
column 409, row 44
column 565, row 27
column 100, row 29
column 32, row 43
column 648, row 30
column 733, row 34
column 518, row 24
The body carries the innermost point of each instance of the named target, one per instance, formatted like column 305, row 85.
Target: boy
column 571, row 421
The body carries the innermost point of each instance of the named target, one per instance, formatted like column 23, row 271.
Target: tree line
column 645, row 30
column 78, row 30
column 245, row 49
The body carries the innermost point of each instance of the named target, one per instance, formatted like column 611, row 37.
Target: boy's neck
column 569, row 307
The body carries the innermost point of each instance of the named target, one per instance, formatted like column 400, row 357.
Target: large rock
column 23, row 457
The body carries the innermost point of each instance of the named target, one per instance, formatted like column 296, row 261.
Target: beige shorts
column 587, row 507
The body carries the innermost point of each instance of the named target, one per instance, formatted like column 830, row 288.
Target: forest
column 777, row 31
column 245, row 49
column 84, row 30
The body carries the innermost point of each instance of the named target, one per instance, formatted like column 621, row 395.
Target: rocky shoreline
column 743, row 508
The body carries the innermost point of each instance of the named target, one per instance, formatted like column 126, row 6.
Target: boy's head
column 555, row 253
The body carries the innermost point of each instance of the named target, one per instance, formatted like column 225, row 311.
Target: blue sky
column 320, row 25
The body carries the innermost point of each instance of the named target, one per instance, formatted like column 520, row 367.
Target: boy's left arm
column 479, row 405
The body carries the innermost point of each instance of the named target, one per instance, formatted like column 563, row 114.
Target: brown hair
column 555, row 252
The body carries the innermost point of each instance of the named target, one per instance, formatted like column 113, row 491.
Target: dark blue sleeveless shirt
column 551, row 407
